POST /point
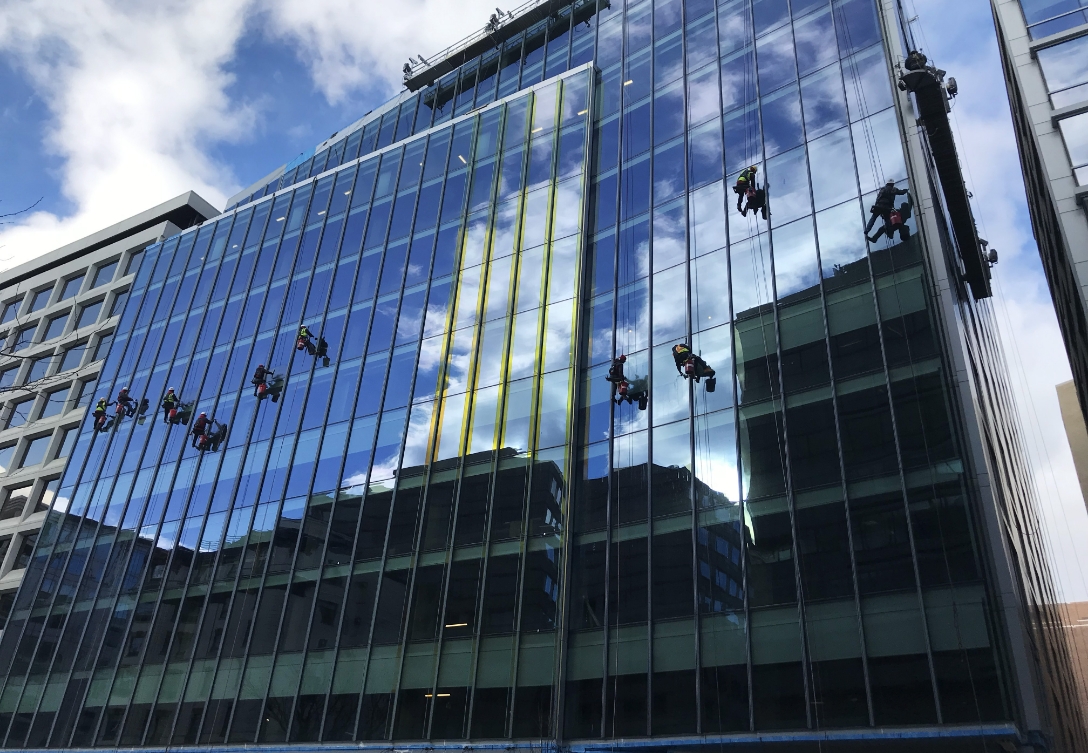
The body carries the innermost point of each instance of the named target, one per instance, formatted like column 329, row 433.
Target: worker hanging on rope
column 884, row 204
column 615, row 371
column 745, row 180
column 125, row 402
column 260, row 374
column 756, row 201
column 174, row 411
column 100, row 415
column 692, row 366
column 200, row 427
column 304, row 342
column 896, row 222
column 633, row 391
column 170, row 404
column 262, row 387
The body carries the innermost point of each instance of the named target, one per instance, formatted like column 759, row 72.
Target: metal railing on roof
column 417, row 66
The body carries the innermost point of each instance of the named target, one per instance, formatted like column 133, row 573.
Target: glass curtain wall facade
column 450, row 531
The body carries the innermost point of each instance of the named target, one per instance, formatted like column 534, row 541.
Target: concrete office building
column 1076, row 432
column 1044, row 52
column 59, row 314
column 437, row 524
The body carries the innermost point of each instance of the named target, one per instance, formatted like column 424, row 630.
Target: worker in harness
column 615, row 371
column 100, row 414
column 200, row 427
column 896, row 222
column 691, row 366
column 632, row 391
column 756, row 201
column 260, row 374
column 262, row 388
column 304, row 342
column 125, row 402
column 170, row 403
column 884, row 204
column 745, row 180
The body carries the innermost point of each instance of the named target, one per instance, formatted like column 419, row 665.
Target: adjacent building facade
column 59, row 314
column 1044, row 51
column 445, row 532
column 1075, row 432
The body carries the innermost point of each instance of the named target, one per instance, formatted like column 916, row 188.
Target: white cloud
column 354, row 47
column 1022, row 305
column 137, row 93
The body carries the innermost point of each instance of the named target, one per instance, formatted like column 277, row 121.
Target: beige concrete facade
column 1075, row 431
column 58, row 314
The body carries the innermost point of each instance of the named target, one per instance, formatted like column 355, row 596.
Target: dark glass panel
column 673, row 589
column 448, row 717
column 969, row 686
column 882, row 551
column 770, row 554
column 629, row 588
column 725, row 698
column 267, row 621
column 582, row 715
column 500, row 603
column 901, row 689
column 462, row 593
column 587, row 585
column 340, row 717
column 309, row 713
column 868, row 442
column 923, row 421
column 372, row 525
column 778, row 694
column 374, row 716
column 814, row 457
column 489, row 711
column 247, row 717
column 540, row 591
column 439, row 511
column 296, row 616
column 359, row 610
column 277, row 720
column 838, row 692
column 943, row 539
column 824, row 548
column 389, row 616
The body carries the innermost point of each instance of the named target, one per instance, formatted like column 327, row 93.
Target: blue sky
column 107, row 107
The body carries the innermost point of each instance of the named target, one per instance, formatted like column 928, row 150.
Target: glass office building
column 446, row 533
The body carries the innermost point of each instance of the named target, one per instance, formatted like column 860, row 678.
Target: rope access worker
column 170, row 401
column 100, row 412
column 260, row 374
column 304, row 342
column 200, row 427
column 691, row 366
column 757, row 201
column 126, row 402
column 916, row 61
column 895, row 222
column 615, row 371
column 745, row 180
column 884, row 204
